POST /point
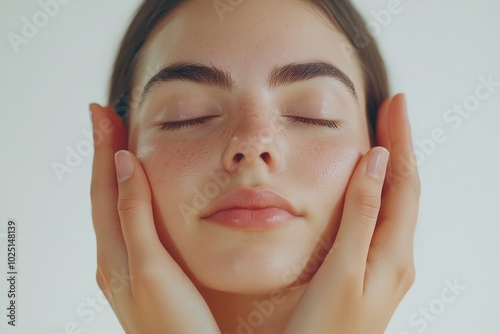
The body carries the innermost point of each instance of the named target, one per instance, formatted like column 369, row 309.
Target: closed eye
column 177, row 125
column 172, row 126
column 313, row 121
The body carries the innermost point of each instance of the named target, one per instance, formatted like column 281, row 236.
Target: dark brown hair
column 343, row 14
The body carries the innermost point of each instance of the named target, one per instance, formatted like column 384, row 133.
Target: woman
column 247, row 195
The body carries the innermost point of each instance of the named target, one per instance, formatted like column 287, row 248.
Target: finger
column 400, row 203
column 403, row 161
column 109, row 134
column 136, row 213
column 392, row 242
column 383, row 138
column 361, row 207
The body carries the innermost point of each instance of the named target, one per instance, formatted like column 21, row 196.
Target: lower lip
column 252, row 219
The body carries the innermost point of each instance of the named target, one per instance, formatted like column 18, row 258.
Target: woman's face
column 282, row 64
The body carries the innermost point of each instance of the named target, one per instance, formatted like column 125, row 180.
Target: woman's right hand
column 146, row 288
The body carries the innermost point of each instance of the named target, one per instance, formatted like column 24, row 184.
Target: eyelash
column 172, row 126
column 313, row 121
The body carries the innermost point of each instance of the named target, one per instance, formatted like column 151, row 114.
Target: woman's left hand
column 370, row 266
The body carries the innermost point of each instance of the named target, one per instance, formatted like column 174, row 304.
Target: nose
column 253, row 143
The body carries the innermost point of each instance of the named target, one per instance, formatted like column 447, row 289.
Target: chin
column 260, row 269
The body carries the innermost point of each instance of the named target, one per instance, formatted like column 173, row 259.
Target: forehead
column 247, row 40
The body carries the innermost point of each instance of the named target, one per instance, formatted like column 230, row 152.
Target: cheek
column 331, row 181
column 325, row 171
column 325, row 167
column 335, row 165
column 175, row 171
column 171, row 166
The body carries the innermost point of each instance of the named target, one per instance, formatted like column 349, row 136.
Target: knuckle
column 128, row 208
column 100, row 280
column 101, row 283
column 405, row 275
column 367, row 205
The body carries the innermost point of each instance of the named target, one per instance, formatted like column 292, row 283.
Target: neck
column 252, row 313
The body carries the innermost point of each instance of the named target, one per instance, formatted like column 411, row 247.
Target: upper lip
column 250, row 199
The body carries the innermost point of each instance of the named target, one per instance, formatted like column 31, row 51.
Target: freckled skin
column 308, row 164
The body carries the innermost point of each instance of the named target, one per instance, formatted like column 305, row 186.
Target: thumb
column 361, row 208
column 135, row 210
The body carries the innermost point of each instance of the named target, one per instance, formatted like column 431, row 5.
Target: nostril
column 238, row 157
column 266, row 157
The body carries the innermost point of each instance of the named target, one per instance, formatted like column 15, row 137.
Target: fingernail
column 377, row 162
column 124, row 165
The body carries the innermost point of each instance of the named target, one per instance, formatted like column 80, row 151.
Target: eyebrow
column 291, row 73
column 279, row 76
column 193, row 72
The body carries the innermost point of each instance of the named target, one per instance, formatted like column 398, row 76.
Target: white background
column 435, row 51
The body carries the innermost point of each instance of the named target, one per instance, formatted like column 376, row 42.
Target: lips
column 251, row 209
